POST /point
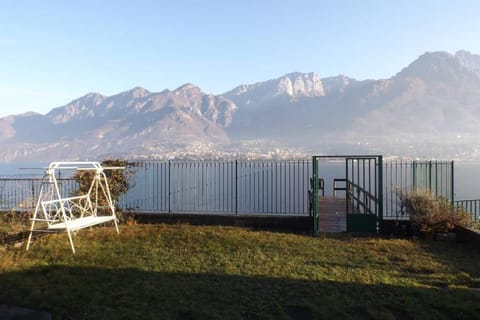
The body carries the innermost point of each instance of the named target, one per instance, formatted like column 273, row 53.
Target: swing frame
column 55, row 212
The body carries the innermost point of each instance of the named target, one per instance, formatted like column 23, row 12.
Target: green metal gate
column 363, row 192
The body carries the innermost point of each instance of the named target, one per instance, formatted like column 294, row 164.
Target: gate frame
column 379, row 187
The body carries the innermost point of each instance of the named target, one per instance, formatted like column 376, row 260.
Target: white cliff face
column 307, row 85
column 284, row 87
column 337, row 85
column 300, row 85
column 292, row 86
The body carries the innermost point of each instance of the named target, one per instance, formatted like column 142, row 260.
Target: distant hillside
column 132, row 123
column 438, row 94
column 433, row 104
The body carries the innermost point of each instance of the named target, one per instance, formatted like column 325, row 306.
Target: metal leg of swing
column 116, row 225
column 71, row 240
column 30, row 236
column 31, row 230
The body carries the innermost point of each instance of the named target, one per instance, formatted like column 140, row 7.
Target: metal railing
column 470, row 206
column 359, row 200
column 244, row 186
column 231, row 187
column 21, row 193
column 402, row 177
column 337, row 188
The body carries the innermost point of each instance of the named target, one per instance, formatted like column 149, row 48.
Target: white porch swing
column 56, row 212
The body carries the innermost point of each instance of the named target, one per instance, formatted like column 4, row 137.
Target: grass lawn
column 192, row 272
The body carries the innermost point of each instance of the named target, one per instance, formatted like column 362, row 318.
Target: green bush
column 430, row 214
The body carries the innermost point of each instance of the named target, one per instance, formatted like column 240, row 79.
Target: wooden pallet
column 332, row 215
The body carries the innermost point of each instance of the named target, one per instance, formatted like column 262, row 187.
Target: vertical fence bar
column 348, row 195
column 452, row 182
column 414, row 173
column 378, row 191
column 236, row 187
column 169, row 186
column 33, row 193
column 315, row 196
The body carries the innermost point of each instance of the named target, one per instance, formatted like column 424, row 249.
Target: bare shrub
column 430, row 214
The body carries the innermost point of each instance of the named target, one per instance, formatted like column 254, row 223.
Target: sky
column 52, row 52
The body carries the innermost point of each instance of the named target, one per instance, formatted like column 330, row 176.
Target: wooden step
column 332, row 216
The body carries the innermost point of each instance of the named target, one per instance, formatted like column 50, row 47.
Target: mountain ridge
column 436, row 97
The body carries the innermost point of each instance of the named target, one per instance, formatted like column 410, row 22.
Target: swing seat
column 79, row 214
column 80, row 223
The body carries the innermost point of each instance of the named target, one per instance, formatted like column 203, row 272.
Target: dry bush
column 14, row 221
column 117, row 181
column 430, row 214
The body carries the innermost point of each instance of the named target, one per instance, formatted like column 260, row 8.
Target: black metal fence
column 21, row 193
column 402, row 177
column 241, row 186
column 245, row 186
column 470, row 206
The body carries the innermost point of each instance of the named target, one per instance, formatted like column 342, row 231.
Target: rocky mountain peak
column 188, row 87
column 188, row 91
column 138, row 92
column 90, row 98
column 469, row 61
column 292, row 86
column 429, row 64
column 82, row 106
column 300, row 85
column 337, row 84
column 442, row 67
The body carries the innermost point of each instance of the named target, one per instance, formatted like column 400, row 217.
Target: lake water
column 467, row 180
column 22, row 169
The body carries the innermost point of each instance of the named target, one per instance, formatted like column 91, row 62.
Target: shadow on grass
column 460, row 258
column 98, row 293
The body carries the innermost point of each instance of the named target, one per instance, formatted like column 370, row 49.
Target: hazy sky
column 52, row 52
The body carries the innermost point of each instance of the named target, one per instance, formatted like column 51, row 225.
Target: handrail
column 335, row 188
column 367, row 197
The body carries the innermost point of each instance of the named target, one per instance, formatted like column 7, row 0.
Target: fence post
column 452, row 183
column 315, row 196
column 169, row 187
column 33, row 193
column 380, row 193
column 236, row 187
column 430, row 176
column 414, row 173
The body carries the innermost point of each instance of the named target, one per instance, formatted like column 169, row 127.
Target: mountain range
column 430, row 108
